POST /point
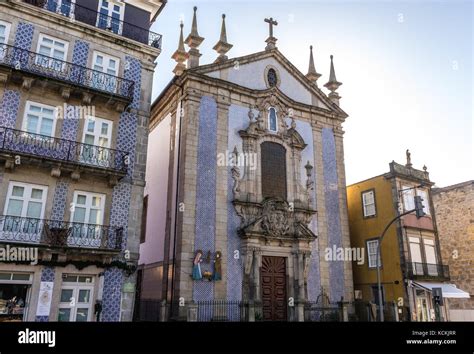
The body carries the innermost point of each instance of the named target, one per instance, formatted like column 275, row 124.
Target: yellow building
column 411, row 264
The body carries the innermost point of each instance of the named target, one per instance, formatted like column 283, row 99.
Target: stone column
column 257, row 264
column 186, row 219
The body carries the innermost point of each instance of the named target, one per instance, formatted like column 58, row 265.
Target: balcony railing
column 100, row 20
column 56, row 233
column 43, row 146
column 427, row 271
column 38, row 64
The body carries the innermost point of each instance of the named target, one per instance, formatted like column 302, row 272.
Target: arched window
column 272, row 119
column 273, row 162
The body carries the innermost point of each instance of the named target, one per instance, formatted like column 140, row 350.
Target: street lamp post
column 419, row 213
column 379, row 284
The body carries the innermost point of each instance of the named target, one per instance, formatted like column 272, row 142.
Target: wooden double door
column 273, row 283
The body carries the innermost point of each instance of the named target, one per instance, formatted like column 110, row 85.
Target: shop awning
column 449, row 290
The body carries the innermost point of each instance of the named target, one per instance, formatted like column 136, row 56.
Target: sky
column 406, row 68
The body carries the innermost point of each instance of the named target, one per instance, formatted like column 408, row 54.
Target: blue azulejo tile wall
column 204, row 238
column 119, row 214
column 331, row 191
column 10, row 102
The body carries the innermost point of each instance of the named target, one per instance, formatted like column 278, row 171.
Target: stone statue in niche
column 217, row 274
column 197, row 274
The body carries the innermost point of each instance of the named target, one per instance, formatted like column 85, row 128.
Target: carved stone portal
column 274, row 219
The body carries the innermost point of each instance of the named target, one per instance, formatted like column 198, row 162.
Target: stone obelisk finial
column 180, row 55
column 312, row 75
column 222, row 47
column 193, row 40
column 332, row 85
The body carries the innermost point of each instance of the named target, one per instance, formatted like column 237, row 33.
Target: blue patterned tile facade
column 80, row 55
column 59, row 201
column 70, row 123
column 237, row 120
column 314, row 275
column 133, row 72
column 126, row 139
column 23, row 40
column 9, row 108
column 331, row 191
column 206, row 191
column 47, row 274
column 113, row 276
column 24, row 35
column 113, row 279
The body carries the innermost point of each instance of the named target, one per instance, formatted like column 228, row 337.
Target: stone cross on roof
column 271, row 22
column 271, row 40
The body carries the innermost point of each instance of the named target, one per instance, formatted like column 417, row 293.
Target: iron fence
column 39, row 64
column 57, row 233
column 18, row 141
column 417, row 270
column 317, row 312
column 222, row 311
column 100, row 20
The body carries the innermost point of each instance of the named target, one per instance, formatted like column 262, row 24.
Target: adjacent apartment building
column 75, row 86
column 454, row 207
column 411, row 258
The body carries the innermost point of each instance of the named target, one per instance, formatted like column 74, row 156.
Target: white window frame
column 429, row 242
column 276, row 120
column 28, row 187
column 371, row 255
column 109, row 15
column 88, row 205
column 59, row 6
column 365, row 204
column 98, row 126
column 408, row 194
column 38, row 129
column 97, row 155
column 113, row 83
column 75, row 305
column 3, row 48
column 51, row 62
column 8, row 26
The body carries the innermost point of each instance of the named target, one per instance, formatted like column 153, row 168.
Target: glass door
column 110, row 16
column 97, row 140
column 75, row 304
column 87, row 218
column 105, row 72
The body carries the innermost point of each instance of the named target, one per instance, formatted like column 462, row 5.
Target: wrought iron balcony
column 56, row 149
column 100, row 20
column 69, row 73
column 56, row 233
column 427, row 271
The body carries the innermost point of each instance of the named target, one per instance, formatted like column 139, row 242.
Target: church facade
column 245, row 185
